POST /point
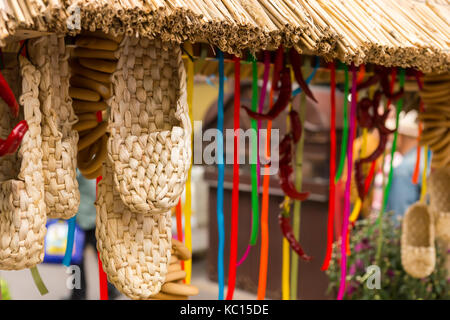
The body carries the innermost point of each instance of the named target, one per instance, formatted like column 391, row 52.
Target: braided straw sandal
column 59, row 141
column 149, row 146
column 439, row 190
column 134, row 247
column 417, row 242
column 23, row 210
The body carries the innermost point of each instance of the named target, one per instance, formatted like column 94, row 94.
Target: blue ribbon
column 70, row 237
column 220, row 180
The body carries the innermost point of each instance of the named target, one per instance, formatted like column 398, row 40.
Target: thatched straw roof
column 407, row 33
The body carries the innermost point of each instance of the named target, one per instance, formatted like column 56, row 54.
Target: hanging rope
column 264, row 253
column 220, row 181
column 331, row 195
column 345, row 222
column 391, row 165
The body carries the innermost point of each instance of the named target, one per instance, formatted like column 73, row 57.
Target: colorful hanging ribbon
column 298, row 183
column 179, row 217
column 220, row 180
column 285, row 288
column 423, row 192
column 188, row 200
column 345, row 125
column 235, row 193
column 103, row 279
column 391, row 165
column 264, row 253
column 40, row 285
column 415, row 177
column 254, row 156
column 331, row 196
column 345, row 222
column 69, row 244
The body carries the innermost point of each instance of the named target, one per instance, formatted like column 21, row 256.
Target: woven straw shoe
column 59, row 141
column 23, row 211
column 418, row 250
column 439, row 190
column 134, row 247
column 150, row 143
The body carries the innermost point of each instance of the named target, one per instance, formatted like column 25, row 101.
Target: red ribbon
column 332, row 191
column 178, row 213
column 235, row 192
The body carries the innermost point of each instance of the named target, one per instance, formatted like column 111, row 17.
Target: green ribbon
column 345, row 127
column 253, row 166
column 391, row 168
column 38, row 281
column 297, row 204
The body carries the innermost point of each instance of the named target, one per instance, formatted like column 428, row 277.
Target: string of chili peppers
column 235, row 192
column 331, row 195
column 345, row 223
column 399, row 107
column 220, row 181
column 188, row 194
column 264, row 252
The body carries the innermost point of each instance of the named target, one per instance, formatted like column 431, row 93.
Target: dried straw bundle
column 23, row 210
column 388, row 32
column 59, row 141
column 134, row 247
column 149, row 145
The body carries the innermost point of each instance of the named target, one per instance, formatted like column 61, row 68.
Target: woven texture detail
column 59, row 141
column 134, row 247
column 23, row 211
column 439, row 190
column 418, row 251
column 149, row 146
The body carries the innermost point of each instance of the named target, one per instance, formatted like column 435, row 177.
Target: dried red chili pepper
column 283, row 99
column 296, row 125
column 12, row 143
column 8, row 96
column 369, row 82
column 278, row 66
column 296, row 62
column 286, row 229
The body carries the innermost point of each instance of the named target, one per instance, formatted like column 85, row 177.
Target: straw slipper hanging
column 418, row 252
column 149, row 146
column 439, row 190
column 23, row 210
column 59, row 141
column 135, row 248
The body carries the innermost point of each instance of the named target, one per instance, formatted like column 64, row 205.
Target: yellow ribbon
column 285, row 289
column 358, row 204
column 188, row 204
